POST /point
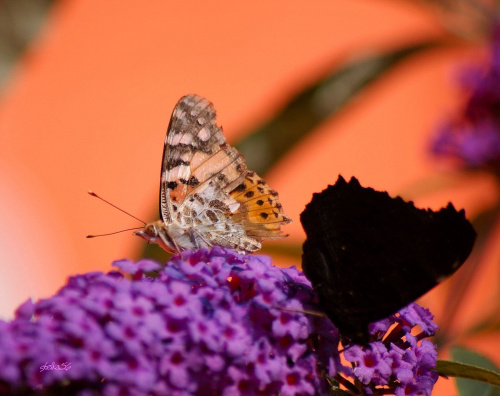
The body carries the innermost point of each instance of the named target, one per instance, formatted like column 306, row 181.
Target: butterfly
column 367, row 255
column 208, row 197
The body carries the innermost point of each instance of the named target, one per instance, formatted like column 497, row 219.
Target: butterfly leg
column 196, row 237
column 169, row 242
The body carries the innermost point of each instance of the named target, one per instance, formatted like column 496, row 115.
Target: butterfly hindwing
column 260, row 211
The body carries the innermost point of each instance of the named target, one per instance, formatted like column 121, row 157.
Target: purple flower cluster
column 396, row 360
column 473, row 137
column 208, row 323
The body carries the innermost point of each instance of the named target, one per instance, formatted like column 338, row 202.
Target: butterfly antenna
column 121, row 210
column 112, row 233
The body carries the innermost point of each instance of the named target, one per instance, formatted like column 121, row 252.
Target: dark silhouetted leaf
column 471, row 372
column 468, row 387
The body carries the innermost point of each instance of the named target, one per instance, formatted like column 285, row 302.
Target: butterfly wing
column 260, row 211
column 195, row 153
column 206, row 184
column 368, row 255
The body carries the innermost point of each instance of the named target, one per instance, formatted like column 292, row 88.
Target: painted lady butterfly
column 208, row 197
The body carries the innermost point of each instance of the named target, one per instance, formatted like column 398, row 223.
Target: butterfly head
column 156, row 232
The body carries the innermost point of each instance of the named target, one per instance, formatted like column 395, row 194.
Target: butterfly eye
column 151, row 230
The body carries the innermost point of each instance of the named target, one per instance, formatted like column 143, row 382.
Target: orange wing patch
column 260, row 211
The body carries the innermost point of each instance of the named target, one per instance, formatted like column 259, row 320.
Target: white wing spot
column 203, row 134
column 174, row 138
column 233, row 207
column 186, row 139
column 179, row 172
column 179, row 138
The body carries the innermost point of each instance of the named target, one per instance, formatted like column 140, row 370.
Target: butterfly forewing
column 192, row 138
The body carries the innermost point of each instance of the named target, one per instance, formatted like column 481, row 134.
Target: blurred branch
column 20, row 21
column 317, row 102
column 467, row 19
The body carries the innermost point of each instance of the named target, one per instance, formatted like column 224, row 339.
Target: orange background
column 89, row 103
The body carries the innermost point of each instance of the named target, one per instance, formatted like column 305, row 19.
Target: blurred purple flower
column 210, row 323
column 396, row 359
column 473, row 136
